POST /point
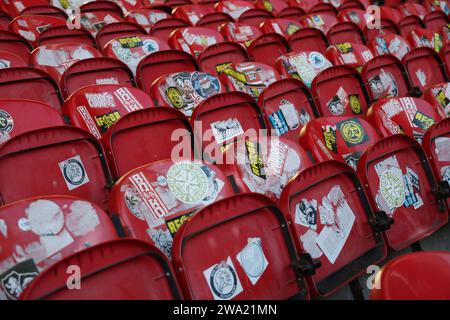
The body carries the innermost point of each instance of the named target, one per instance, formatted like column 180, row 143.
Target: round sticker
column 223, row 281
column 252, row 257
column 74, row 172
column 352, row 132
column 204, row 84
column 24, row 224
column 150, row 46
column 292, row 28
column 316, row 59
column 175, row 97
column 6, row 122
column 392, row 188
column 188, row 182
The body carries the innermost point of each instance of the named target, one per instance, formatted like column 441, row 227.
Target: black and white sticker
column 223, row 280
column 306, row 213
column 253, row 260
column 14, row 281
column 74, row 172
column 226, row 130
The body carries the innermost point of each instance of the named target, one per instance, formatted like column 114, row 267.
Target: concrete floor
column 440, row 240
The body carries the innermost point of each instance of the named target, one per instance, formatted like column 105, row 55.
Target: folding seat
column 5, row 19
column 389, row 43
column 304, row 4
column 11, row 60
column 254, row 17
column 132, row 49
column 191, row 12
column 176, row 3
column 95, row 71
column 56, row 58
column 161, row 63
column 164, row 27
column 332, row 220
column 214, row 20
column 147, row 16
column 18, row 116
column 437, row 5
column 386, row 77
column 273, row 6
column 307, row 38
column 292, row 13
column 424, row 67
column 284, row 27
column 413, row 9
column 102, row 7
column 267, row 48
column 351, row 54
column 322, row 21
column 345, row 32
column 15, row 8
column 234, row 8
column 426, row 38
column 34, row 84
column 323, row 7
column 44, row 10
column 63, row 34
column 255, row 261
column 438, row 96
column 96, row 108
column 410, row 116
column 408, row 24
column 73, row 161
column 194, row 40
column 214, row 58
column 444, row 55
column 342, row 138
column 249, row 77
column 105, row 269
column 386, row 26
column 240, row 33
column 302, row 65
column 30, row 27
column 398, row 178
column 414, row 276
column 393, row 13
column 128, row 6
column 64, row 225
column 340, row 91
column 357, row 16
column 116, row 30
column 351, row 4
column 289, row 106
column 94, row 21
column 153, row 201
column 184, row 91
column 435, row 20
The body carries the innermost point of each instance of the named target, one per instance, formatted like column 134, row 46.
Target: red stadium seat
column 424, row 68
column 164, row 27
column 413, row 9
column 304, row 4
column 11, row 60
column 56, row 58
column 345, row 32
column 323, row 7
column 103, row 7
column 34, row 84
column 273, row 6
column 435, row 20
column 239, row 33
column 307, row 38
column 147, row 16
column 340, row 91
column 289, row 106
column 15, row 44
column 438, row 96
column 302, row 65
column 117, row 30
column 411, row 116
column 96, row 20
column 174, row 199
column 41, row 232
column 334, row 223
column 253, row 17
column 249, row 77
column 14, row 9
column 44, row 10
column 437, row 5
column 273, row 255
column 389, row 43
column 322, row 21
column 393, row 13
column 292, row 13
column 214, row 20
column 106, row 267
column 351, row 4
column 426, row 38
column 72, row 159
column 194, row 40
column 191, row 12
column 18, row 116
column 65, row 35
column 398, row 179
column 214, row 58
column 409, row 23
column 234, row 8
column 284, row 27
column 132, row 49
column 161, row 63
column 414, row 276
column 267, row 48
column 30, row 27
column 5, row 19
column 386, row 26
column 96, row 108
column 385, row 77
column 357, row 16
column 351, row 54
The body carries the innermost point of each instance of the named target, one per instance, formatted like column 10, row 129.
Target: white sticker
column 309, row 243
column 89, row 121
column 128, row 100
column 253, row 260
column 82, row 218
column 74, row 172
column 223, row 280
column 443, row 148
column 226, row 130
column 306, row 213
column 391, row 186
column 422, row 77
column 445, row 173
column 24, row 224
column 55, row 243
column 3, row 228
column 100, row 100
column 188, row 182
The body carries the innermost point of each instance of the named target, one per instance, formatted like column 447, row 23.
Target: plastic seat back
column 293, row 13
column 409, row 23
column 322, row 21
column 240, row 33
column 426, row 38
column 116, row 30
column 191, row 12
column 386, row 26
column 307, row 38
column 101, row 6
column 147, row 16
column 11, row 60
column 267, row 48
column 164, row 27
column 214, row 20
column 44, row 10
column 14, row 43
column 345, row 32
column 351, row 54
column 283, row 27
column 5, row 19
column 389, row 43
column 438, row 97
column 194, row 40
column 435, row 20
column 273, row 6
column 94, row 21
column 31, row 26
column 235, row 8
column 63, row 34
column 254, row 17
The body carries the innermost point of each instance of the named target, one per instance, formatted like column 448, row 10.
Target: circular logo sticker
column 188, row 182
column 204, row 84
column 74, row 172
column 352, row 132
column 316, row 59
column 24, row 224
column 252, row 258
column 6, row 122
column 392, row 188
column 175, row 97
column 150, row 46
column 223, row 281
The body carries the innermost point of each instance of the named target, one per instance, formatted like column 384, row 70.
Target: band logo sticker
column 74, row 172
column 100, row 100
column 352, row 132
column 106, row 120
column 223, row 280
column 329, row 136
column 306, row 213
column 338, row 103
column 226, row 130
column 188, row 182
column 173, row 225
column 255, row 159
column 175, row 97
column 128, row 100
column 355, row 105
column 253, row 260
column 14, row 281
column 422, row 121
